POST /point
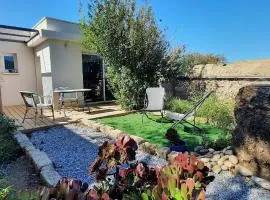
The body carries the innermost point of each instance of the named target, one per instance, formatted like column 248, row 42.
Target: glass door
column 93, row 77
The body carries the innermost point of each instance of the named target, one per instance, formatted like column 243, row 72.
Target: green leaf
column 145, row 196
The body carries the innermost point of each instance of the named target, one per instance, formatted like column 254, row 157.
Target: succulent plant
column 184, row 178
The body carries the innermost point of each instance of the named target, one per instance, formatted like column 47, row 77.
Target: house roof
column 17, row 34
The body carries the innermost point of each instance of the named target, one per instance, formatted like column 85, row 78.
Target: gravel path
column 229, row 187
column 73, row 148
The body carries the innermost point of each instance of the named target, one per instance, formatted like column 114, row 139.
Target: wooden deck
column 72, row 116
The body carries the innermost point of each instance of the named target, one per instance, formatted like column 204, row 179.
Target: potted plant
column 176, row 144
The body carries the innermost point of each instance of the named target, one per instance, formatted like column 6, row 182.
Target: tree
column 193, row 59
column 131, row 44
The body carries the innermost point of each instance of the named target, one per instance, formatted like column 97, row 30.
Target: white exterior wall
column 25, row 79
column 44, row 69
column 66, row 62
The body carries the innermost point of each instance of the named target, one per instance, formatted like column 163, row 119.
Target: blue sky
column 238, row 29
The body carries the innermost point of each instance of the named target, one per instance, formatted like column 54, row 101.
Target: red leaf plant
column 119, row 176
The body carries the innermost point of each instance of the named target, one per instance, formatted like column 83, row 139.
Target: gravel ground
column 229, row 187
column 73, row 148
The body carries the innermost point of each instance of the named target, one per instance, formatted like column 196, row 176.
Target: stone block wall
column 225, row 80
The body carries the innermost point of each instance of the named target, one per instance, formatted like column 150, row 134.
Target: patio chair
column 36, row 102
column 154, row 101
column 182, row 118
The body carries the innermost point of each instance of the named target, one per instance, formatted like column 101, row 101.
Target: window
column 10, row 63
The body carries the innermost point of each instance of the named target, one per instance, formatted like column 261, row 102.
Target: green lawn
column 154, row 131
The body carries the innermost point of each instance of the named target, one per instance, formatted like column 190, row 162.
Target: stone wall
column 251, row 137
column 226, row 80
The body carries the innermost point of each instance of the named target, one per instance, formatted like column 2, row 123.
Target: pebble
column 198, row 148
column 228, row 152
column 233, row 159
column 203, row 151
column 243, row 171
column 224, row 167
column 216, row 169
column 261, row 182
column 205, row 160
column 216, row 157
column 228, row 163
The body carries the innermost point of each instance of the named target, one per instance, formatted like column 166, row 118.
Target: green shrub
column 5, row 189
column 218, row 112
column 219, row 143
column 178, row 105
column 9, row 148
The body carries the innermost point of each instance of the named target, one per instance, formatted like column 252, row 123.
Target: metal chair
column 182, row 118
column 36, row 102
column 154, row 101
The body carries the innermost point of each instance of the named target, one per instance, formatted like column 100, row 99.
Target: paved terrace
column 72, row 115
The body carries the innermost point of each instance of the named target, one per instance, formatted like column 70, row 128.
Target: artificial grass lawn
column 154, row 131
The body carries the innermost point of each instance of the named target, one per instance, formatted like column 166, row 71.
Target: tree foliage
column 129, row 40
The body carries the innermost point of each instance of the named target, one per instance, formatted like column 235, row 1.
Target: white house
column 45, row 57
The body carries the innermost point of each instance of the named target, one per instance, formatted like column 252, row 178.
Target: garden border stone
column 42, row 162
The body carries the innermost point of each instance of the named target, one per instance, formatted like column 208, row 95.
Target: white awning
column 17, row 34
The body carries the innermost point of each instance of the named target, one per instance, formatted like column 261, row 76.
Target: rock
column 50, row 176
column 221, row 160
column 148, row 148
column 195, row 154
column 216, row 169
column 24, row 141
column 198, row 148
column 216, row 157
column 172, row 155
column 228, row 163
column 221, row 154
column 205, row 160
column 203, row 151
column 251, row 138
column 163, row 152
column 138, row 139
column 209, row 166
column 208, row 155
column 39, row 158
column 228, row 152
column 233, row 159
column 243, row 171
column 211, row 150
column 115, row 133
column 216, row 152
column 261, row 182
column 224, row 167
column 229, row 148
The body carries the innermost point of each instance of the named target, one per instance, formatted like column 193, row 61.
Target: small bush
column 218, row 112
column 178, row 105
column 9, row 148
column 5, row 189
column 219, row 143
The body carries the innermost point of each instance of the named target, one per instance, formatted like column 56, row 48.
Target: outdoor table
column 61, row 93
